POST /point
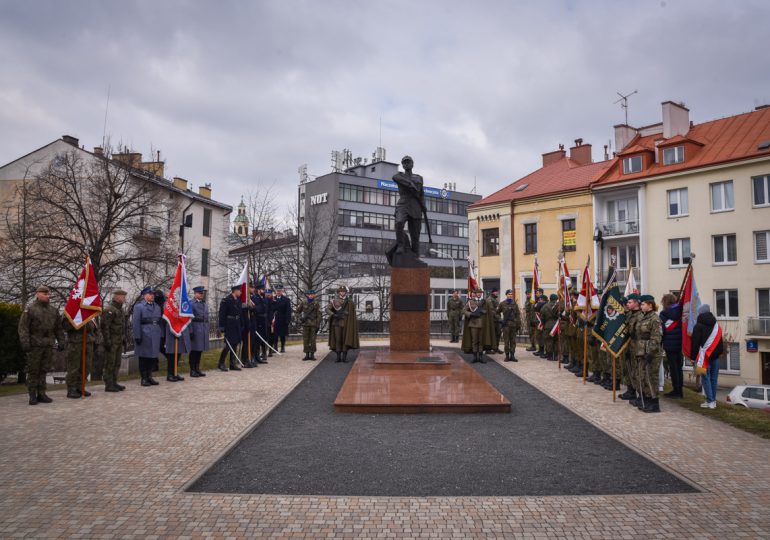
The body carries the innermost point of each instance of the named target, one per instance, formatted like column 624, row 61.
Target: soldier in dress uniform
column 259, row 324
column 40, row 326
column 282, row 316
column 75, row 352
column 248, row 337
column 175, row 345
column 531, row 320
column 511, row 324
column 270, row 316
column 231, row 326
column 113, row 325
column 549, row 315
column 494, row 320
column 474, row 313
column 454, row 312
column 647, row 348
column 146, row 328
column 199, row 331
column 309, row 313
column 343, row 324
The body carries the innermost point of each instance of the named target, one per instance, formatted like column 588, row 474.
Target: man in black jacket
column 671, row 319
column 707, row 335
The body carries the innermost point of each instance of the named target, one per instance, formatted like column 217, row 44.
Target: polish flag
column 690, row 301
column 588, row 300
column 243, row 281
column 84, row 302
column 473, row 284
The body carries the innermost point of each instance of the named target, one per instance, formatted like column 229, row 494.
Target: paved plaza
column 118, row 465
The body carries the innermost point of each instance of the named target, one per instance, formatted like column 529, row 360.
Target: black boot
column 339, row 357
column 221, row 366
column 482, row 360
column 652, row 406
column 33, row 397
column 312, row 356
column 508, row 356
column 307, row 356
column 72, row 393
column 152, row 381
column 345, row 357
column 198, row 368
column 234, row 367
column 530, row 349
column 194, row 368
column 629, row 394
column 283, row 349
column 43, row 398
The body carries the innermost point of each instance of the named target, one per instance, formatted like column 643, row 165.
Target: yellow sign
column 568, row 238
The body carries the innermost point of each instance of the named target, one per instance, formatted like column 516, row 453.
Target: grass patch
column 752, row 420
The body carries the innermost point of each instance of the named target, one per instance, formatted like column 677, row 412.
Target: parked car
column 752, row 396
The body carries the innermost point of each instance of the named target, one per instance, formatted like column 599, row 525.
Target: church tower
column 241, row 221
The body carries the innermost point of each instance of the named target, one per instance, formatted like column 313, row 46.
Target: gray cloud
column 239, row 93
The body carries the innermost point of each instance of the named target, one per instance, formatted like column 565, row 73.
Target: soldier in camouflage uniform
column 309, row 314
column 39, row 326
column 647, row 348
column 474, row 313
column 574, row 337
column 542, row 300
column 511, row 323
column 529, row 316
column 564, row 331
column 493, row 320
column 628, row 362
column 113, row 325
column 75, row 354
column 454, row 313
column 549, row 315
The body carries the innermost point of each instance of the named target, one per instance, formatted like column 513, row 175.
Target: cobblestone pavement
column 115, row 465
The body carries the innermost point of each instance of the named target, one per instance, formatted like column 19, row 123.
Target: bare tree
column 91, row 205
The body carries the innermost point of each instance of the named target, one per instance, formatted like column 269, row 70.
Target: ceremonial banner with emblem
column 610, row 325
column 178, row 311
column 472, row 283
column 84, row 302
column 690, row 300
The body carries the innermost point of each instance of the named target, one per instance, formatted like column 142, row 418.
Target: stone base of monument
column 383, row 381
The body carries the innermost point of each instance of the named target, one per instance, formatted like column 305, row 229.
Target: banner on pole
column 84, row 302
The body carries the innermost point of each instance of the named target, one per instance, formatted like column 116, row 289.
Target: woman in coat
column 707, row 347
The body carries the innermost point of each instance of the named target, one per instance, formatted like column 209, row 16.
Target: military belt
column 233, row 317
column 150, row 321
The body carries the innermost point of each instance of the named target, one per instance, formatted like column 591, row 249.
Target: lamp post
column 454, row 275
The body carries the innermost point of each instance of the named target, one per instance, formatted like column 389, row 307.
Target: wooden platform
column 383, row 381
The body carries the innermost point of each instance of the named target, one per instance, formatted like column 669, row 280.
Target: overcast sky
column 240, row 94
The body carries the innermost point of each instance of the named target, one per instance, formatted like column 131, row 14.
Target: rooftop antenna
column 106, row 108
column 380, row 131
column 624, row 102
column 474, row 186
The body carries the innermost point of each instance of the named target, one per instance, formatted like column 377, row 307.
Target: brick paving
column 115, row 465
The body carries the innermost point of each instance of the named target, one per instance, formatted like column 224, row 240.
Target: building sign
column 751, row 345
column 569, row 238
column 318, row 199
column 430, row 191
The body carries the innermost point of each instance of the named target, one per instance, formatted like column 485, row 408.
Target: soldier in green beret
column 511, row 323
column 549, row 315
column 628, row 361
column 649, row 334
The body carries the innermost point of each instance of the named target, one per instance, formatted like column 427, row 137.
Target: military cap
column 269, row 291
column 311, row 291
column 119, row 292
column 43, row 288
column 478, row 290
column 633, row 296
column 147, row 290
column 623, row 299
column 235, row 288
column 647, row 298
column 495, row 289
column 508, row 291
column 554, row 297
column 540, row 290
column 342, row 288
column 543, row 297
column 199, row 288
column 279, row 286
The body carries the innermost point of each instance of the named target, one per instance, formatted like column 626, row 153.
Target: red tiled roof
column 557, row 177
column 724, row 140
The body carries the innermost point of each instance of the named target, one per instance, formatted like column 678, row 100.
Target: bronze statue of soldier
column 410, row 209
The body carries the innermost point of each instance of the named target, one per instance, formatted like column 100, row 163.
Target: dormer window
column 673, row 155
column 632, row 164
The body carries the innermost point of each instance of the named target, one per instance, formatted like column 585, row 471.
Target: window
column 725, row 250
column 761, row 188
column 731, row 357
column 722, row 196
column 632, row 164
column 763, row 302
column 204, row 262
column 530, row 238
column 625, row 256
column 727, row 303
column 673, row 155
column 568, row 235
column 761, row 240
column 206, row 222
column 490, row 241
column 527, row 284
column 679, row 250
column 677, row 202
column 753, row 392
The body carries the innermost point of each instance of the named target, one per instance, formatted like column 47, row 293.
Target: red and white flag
column 690, row 300
column 84, row 302
column 588, row 300
column 631, row 287
column 473, row 284
column 243, row 281
column 566, row 284
column 535, row 282
column 178, row 310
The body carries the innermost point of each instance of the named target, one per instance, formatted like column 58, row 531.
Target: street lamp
column 439, row 252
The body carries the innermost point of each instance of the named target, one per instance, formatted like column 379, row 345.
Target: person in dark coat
column 248, row 337
column 146, row 321
column 282, row 316
column 182, row 345
column 705, row 325
column 231, row 326
column 258, row 323
column 270, row 316
column 199, row 331
column 671, row 320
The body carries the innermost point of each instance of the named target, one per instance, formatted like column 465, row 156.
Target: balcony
column 622, row 276
column 618, row 228
column 758, row 326
column 149, row 233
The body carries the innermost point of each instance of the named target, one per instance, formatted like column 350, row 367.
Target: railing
column 758, row 326
column 617, row 228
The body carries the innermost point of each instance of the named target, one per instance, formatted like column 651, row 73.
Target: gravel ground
column 540, row 448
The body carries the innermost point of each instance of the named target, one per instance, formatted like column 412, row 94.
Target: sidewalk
column 117, row 465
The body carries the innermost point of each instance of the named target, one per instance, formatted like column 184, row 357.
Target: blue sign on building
column 430, row 191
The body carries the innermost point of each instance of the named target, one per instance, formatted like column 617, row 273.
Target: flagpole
column 83, row 363
column 613, row 376
column 558, row 333
column 585, row 348
column 684, row 280
column 248, row 311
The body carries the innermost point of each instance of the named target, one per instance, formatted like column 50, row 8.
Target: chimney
column 606, row 152
column 676, row 119
column 153, row 167
column 179, row 183
column 623, row 135
column 98, row 150
column 205, row 191
column 69, row 139
column 132, row 159
column 553, row 157
column 581, row 153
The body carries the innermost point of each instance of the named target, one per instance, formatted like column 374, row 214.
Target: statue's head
column 407, row 162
